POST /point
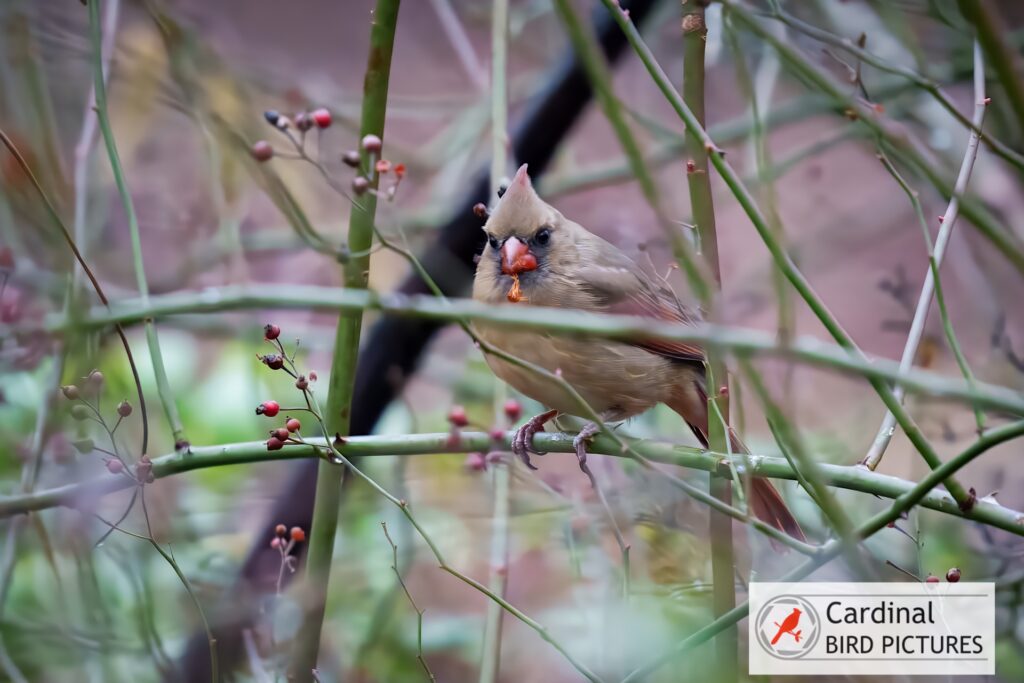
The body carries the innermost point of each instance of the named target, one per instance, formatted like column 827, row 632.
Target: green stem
column 853, row 478
column 343, row 368
column 782, row 259
column 1006, row 62
column 703, row 207
column 153, row 341
column 899, row 506
column 509, row 316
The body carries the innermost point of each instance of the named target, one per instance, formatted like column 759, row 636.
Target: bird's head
column 524, row 234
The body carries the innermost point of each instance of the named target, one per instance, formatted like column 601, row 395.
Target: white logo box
column 884, row 629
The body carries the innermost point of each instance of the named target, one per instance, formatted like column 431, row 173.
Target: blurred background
column 189, row 82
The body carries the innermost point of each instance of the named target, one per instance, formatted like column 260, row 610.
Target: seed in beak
column 516, row 257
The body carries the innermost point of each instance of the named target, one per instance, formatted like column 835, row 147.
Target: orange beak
column 516, row 257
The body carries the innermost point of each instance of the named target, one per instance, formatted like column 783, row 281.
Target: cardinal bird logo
column 786, row 627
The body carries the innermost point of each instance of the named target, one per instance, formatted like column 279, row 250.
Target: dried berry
column 70, row 392
column 273, row 361
column 372, row 144
column 272, row 116
column 271, row 331
column 115, row 466
column 262, row 151
column 303, row 121
column 476, row 462
column 301, row 383
column 457, row 416
column 280, row 530
column 281, row 433
column 360, row 185
column 351, row 158
column 293, row 425
column 953, row 575
column 513, row 410
column 480, row 209
column 321, row 117
column 124, row 408
column 297, row 534
column 274, row 444
column 268, row 408
column 80, row 412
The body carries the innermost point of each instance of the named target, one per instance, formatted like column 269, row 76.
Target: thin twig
column 419, row 612
column 949, row 218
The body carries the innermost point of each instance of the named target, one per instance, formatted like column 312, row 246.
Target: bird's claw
column 522, row 440
column 579, row 442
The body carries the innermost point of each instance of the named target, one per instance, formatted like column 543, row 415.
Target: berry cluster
column 370, row 169
column 85, row 401
column 284, row 542
column 477, row 461
column 290, row 431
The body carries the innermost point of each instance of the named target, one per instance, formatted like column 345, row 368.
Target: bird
column 535, row 256
column 787, row 626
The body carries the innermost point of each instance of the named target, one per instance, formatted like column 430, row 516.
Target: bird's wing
column 620, row 286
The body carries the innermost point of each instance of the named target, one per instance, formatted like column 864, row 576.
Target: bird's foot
column 522, row 440
column 579, row 442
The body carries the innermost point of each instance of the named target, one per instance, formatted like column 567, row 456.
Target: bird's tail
column 765, row 502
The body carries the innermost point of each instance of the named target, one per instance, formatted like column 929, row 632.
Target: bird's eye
column 493, row 241
column 543, row 236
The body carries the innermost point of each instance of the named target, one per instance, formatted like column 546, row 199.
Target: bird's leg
column 589, row 431
column 522, row 440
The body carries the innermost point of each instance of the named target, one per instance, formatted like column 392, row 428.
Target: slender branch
column 698, row 180
column 779, row 254
column 346, row 349
column 100, row 90
column 949, row 218
column 510, row 316
column 854, row 478
column 419, row 612
column 899, row 506
column 1005, row 61
column 490, row 658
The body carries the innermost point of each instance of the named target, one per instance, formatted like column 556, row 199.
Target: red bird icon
column 787, row 626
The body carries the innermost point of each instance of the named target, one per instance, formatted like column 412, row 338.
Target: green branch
column 346, row 349
column 854, row 478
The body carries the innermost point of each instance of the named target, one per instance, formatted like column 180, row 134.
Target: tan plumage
column 561, row 264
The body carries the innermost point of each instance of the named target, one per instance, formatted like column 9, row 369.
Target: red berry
column 274, row 444
column 372, row 144
column 932, row 579
column 298, row 535
column 312, row 376
column 457, row 416
column 293, row 425
column 262, row 151
column 351, row 158
column 476, row 462
column 321, row 117
column 280, row 529
column 273, row 361
column 268, row 408
column 360, row 184
column 497, row 434
column 953, row 575
column 480, row 209
column 513, row 409
column 124, row 408
column 281, row 433
column 271, row 331
column 115, row 466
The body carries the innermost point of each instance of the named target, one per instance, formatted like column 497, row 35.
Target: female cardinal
column 536, row 256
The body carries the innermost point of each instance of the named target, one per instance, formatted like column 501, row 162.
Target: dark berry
column 360, row 185
column 281, row 433
column 274, row 444
column 303, row 121
column 272, row 116
column 351, row 158
column 273, row 361
column 262, row 151
column 271, row 331
column 480, row 209
column 280, row 529
column 124, row 408
column 953, row 575
column 301, row 383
